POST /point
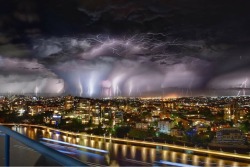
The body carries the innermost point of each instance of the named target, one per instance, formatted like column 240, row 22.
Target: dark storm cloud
column 124, row 47
column 133, row 65
column 26, row 76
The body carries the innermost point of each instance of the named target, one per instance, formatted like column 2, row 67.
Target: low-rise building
column 176, row 132
column 165, row 126
column 201, row 128
column 230, row 136
column 142, row 125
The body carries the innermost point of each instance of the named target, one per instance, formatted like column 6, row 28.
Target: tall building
column 69, row 102
column 235, row 111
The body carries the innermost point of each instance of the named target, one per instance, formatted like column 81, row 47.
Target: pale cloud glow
column 102, row 66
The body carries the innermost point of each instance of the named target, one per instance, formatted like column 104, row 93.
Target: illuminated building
column 118, row 117
column 165, row 126
column 230, row 136
column 34, row 109
column 176, row 132
column 142, row 125
column 69, row 102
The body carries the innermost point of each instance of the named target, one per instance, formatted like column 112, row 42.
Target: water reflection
column 77, row 140
column 133, row 151
column 173, row 156
column 124, row 150
column 152, row 155
column 144, row 154
column 119, row 153
column 195, row 160
column 207, row 161
column 235, row 164
column 220, row 162
column 115, row 150
column 164, row 154
column 107, row 146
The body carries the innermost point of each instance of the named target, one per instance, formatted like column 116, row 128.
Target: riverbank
column 175, row 146
column 241, row 149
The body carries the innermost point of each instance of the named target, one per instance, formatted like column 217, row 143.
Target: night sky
column 131, row 48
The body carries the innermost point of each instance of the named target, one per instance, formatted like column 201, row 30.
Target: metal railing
column 44, row 150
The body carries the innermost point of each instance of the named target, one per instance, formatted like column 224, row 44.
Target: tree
column 180, row 125
column 207, row 113
column 76, row 125
column 38, row 118
column 145, row 114
column 189, row 134
column 245, row 126
column 99, row 130
column 122, row 131
column 90, row 123
column 151, row 131
column 247, row 116
column 11, row 117
column 166, row 137
column 220, row 115
column 139, row 134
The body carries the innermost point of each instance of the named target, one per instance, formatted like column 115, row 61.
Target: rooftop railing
column 44, row 150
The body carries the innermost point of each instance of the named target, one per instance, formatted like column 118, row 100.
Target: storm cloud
column 121, row 48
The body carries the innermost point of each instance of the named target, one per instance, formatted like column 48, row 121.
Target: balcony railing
column 49, row 153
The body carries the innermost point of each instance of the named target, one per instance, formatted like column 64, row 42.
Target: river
column 117, row 154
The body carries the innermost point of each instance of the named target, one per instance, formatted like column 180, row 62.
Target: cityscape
column 124, row 83
column 198, row 121
column 217, row 123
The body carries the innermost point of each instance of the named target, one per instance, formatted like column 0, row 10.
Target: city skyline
column 120, row 48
